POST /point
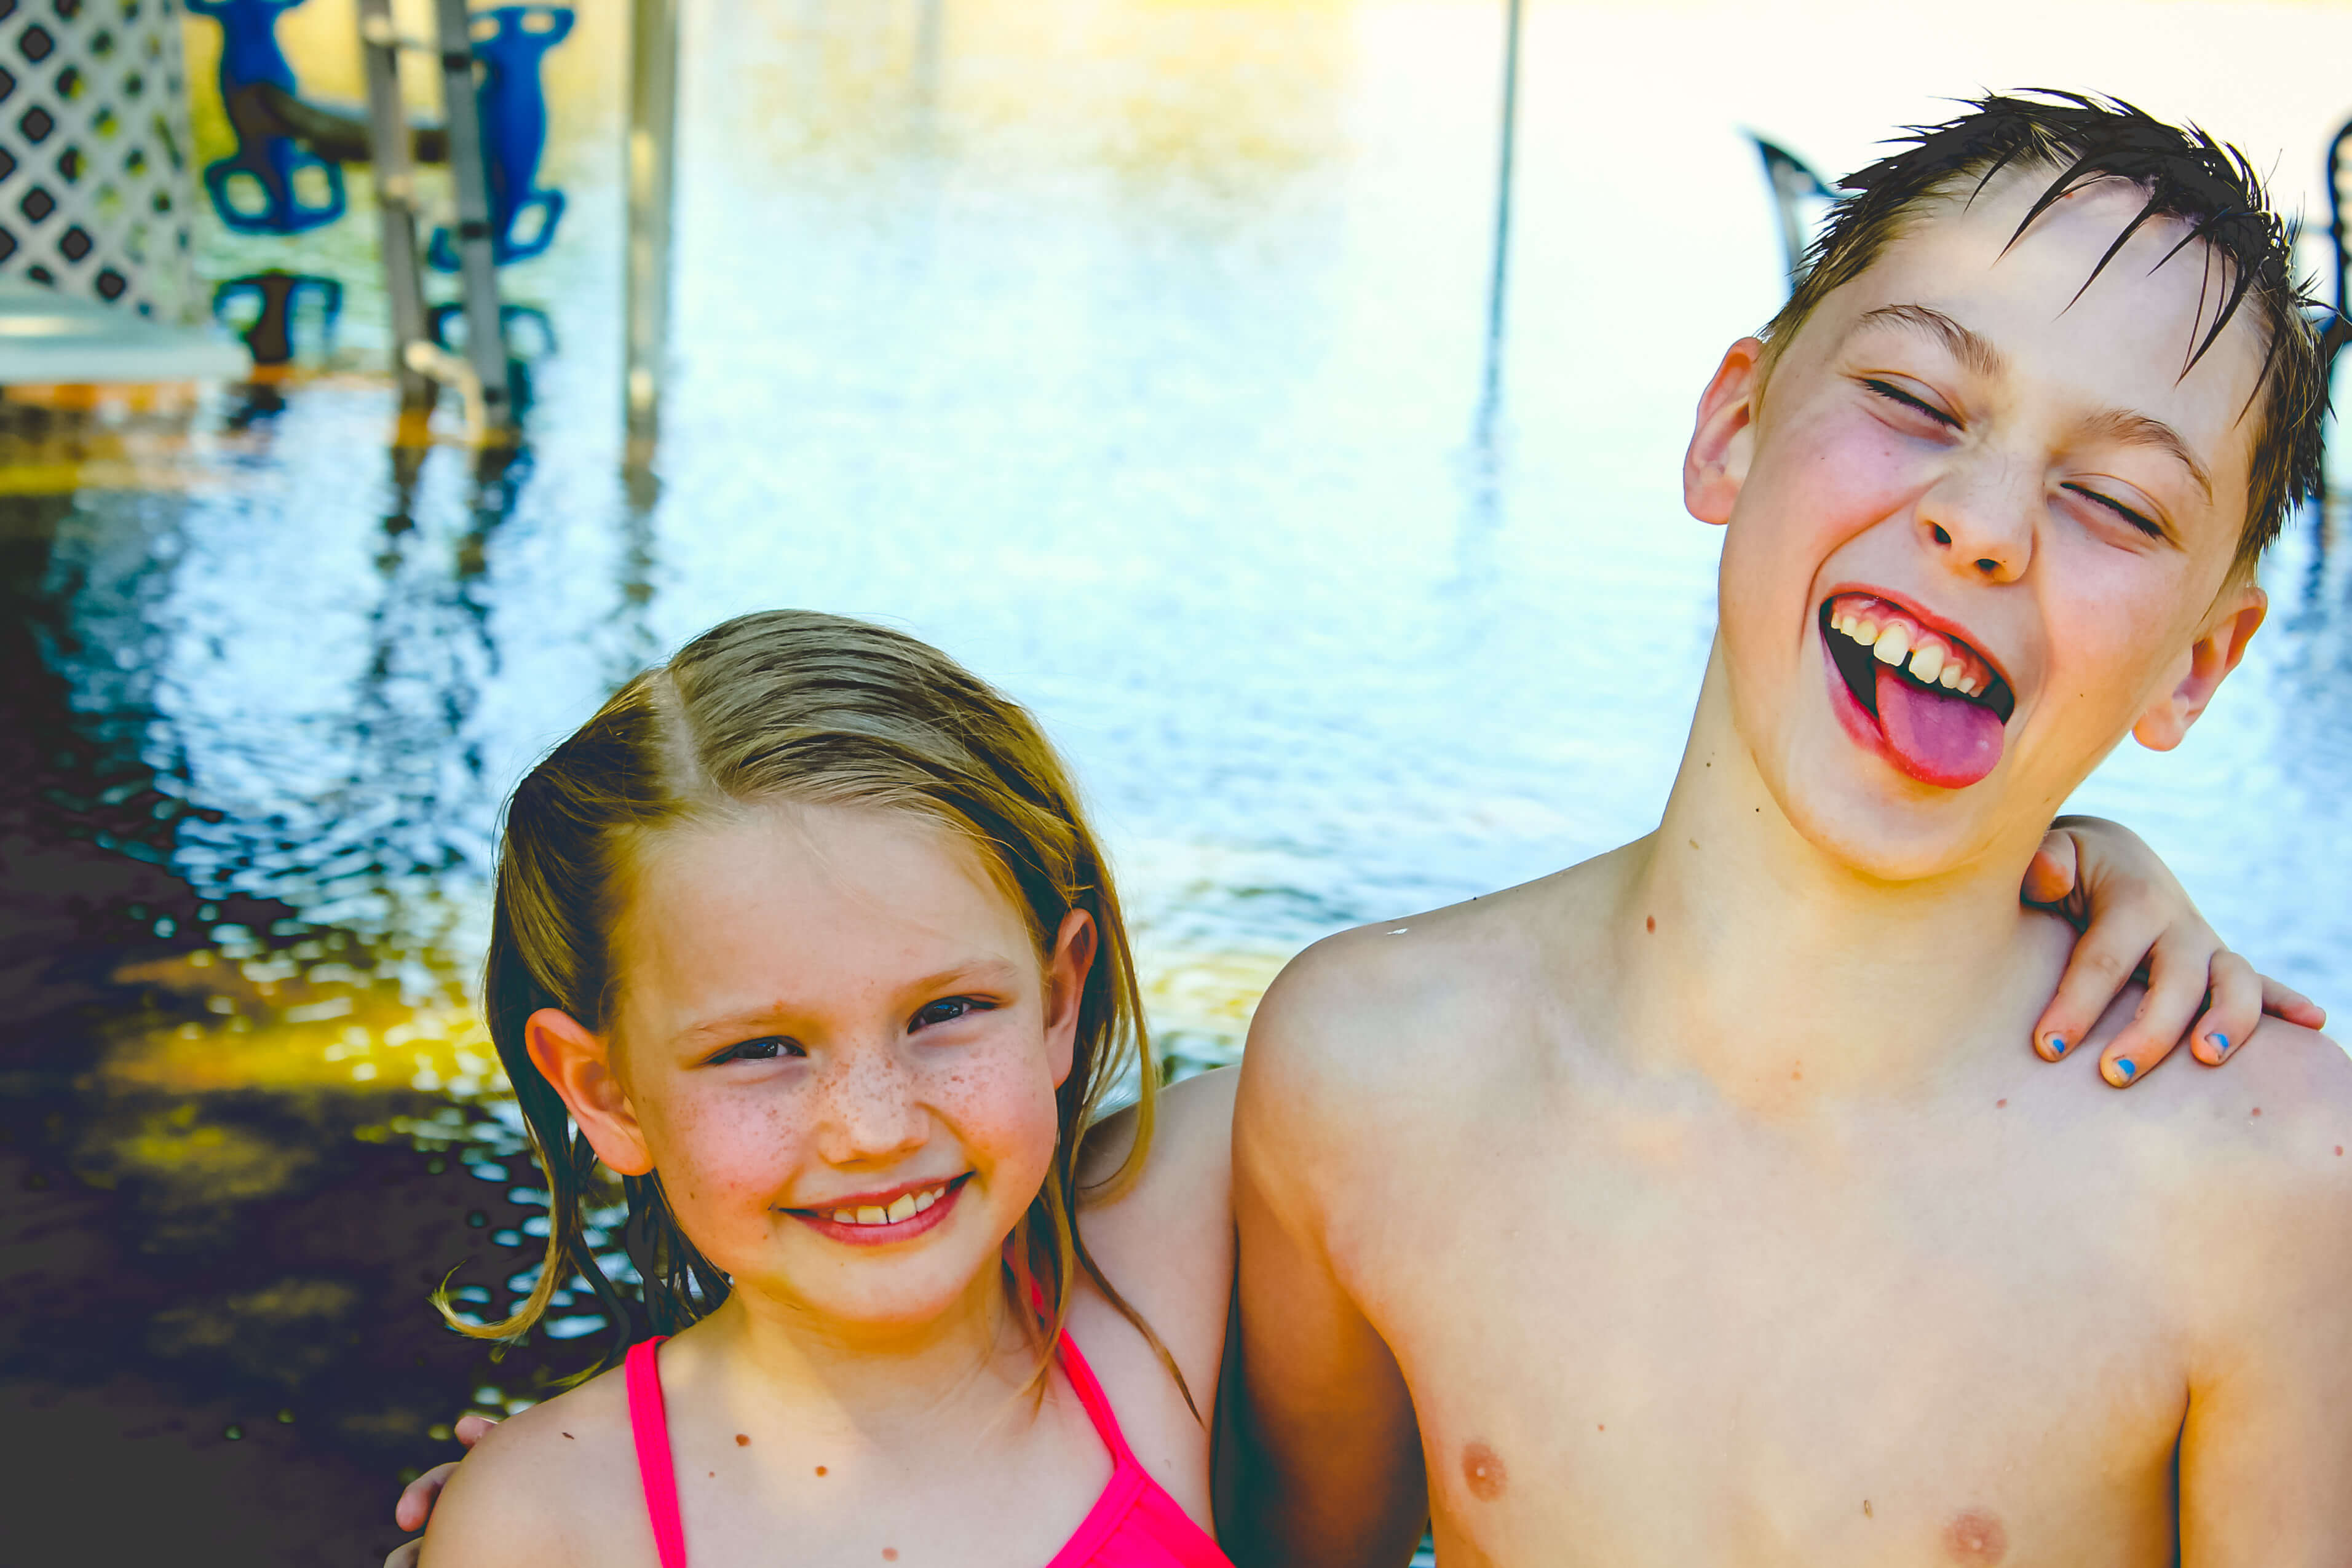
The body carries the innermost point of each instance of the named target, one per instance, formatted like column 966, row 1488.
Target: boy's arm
column 2136, row 918
column 1329, row 1471
column 2266, row 1451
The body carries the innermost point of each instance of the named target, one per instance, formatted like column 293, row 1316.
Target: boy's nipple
column 1976, row 1536
column 1482, row 1471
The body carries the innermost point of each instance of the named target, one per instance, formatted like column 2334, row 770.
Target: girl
column 806, row 937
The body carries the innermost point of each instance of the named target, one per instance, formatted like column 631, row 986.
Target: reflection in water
column 227, row 1167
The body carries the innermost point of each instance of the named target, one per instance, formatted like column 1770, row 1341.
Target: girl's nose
column 872, row 1111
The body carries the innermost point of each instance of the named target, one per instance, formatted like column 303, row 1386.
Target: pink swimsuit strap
column 1133, row 1524
column 649, row 1424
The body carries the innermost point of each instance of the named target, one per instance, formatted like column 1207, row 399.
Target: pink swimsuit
column 1133, row 1524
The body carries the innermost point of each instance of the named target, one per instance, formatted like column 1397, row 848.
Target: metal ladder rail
column 486, row 338
column 652, row 165
column 395, row 199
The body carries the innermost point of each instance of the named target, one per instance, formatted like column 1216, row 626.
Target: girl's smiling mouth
column 892, row 1214
column 1923, row 699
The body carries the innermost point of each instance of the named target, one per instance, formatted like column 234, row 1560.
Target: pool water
column 1135, row 353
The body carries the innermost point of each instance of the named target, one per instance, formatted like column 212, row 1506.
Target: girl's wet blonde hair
column 793, row 705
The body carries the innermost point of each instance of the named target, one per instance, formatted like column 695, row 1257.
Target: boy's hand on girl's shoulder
column 2137, row 922
column 416, row 1499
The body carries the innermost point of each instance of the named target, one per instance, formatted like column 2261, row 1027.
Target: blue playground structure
column 257, row 188
column 509, row 42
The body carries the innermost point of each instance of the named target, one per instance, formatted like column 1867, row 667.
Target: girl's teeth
column 1928, row 662
column 1893, row 643
column 906, row 1206
column 1968, row 686
column 1864, row 632
column 1951, row 676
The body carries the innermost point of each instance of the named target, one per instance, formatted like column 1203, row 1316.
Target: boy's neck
column 1780, row 972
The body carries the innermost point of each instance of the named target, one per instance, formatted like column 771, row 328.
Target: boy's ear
column 1725, row 437
column 1066, row 987
column 578, row 1063
column 2202, row 670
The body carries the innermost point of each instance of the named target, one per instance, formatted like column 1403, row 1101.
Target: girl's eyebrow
column 984, row 972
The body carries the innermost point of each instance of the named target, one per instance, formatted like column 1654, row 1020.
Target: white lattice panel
column 96, row 193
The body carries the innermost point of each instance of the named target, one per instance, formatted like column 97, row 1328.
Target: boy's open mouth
column 1934, row 703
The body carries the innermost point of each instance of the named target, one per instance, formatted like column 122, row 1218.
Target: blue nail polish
column 2057, row 1045
column 2221, row 1044
column 2124, row 1068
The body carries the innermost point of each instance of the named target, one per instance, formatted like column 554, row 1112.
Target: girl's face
column 834, row 1041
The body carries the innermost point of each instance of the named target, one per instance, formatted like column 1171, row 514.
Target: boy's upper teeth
column 1898, row 640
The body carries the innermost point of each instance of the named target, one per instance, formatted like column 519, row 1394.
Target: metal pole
column 396, row 197
column 1490, row 392
column 486, row 339
column 653, row 138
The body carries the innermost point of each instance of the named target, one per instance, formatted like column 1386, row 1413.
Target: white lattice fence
column 96, row 193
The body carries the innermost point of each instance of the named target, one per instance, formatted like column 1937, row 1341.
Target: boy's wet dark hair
column 2186, row 176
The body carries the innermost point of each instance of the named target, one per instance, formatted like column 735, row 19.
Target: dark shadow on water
column 215, row 1342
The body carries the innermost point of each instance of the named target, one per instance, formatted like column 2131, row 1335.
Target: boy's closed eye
column 2105, row 504
column 1895, row 393
column 2115, row 509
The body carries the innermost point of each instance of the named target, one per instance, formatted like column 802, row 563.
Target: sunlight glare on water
column 1131, row 354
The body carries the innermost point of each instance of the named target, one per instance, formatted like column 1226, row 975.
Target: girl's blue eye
column 946, row 1010
column 765, row 1049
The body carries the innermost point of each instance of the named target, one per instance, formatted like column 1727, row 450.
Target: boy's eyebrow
column 1976, row 353
column 2139, row 430
column 1979, row 357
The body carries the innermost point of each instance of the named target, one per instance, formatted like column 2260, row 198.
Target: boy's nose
column 872, row 1110
column 1979, row 522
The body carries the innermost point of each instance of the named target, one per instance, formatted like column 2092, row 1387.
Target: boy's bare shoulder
column 557, row 1484
column 2280, row 1109
column 2246, row 1170
column 1371, row 1010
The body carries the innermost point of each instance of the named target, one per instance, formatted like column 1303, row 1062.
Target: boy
column 1683, row 1207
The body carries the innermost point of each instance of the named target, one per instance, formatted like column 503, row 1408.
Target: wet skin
column 1703, row 1202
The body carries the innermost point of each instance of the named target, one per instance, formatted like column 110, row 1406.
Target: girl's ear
column 1065, row 988
column 2209, row 661
column 1715, row 463
column 579, row 1064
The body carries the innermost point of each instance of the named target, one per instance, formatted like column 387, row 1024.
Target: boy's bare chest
column 1652, row 1341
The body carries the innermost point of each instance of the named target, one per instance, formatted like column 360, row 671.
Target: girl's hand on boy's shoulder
column 2137, row 922
column 416, row 1499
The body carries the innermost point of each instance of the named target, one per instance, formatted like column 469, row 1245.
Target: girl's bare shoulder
column 555, row 1485
column 1166, row 1241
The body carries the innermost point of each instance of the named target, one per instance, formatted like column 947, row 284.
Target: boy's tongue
column 1942, row 737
